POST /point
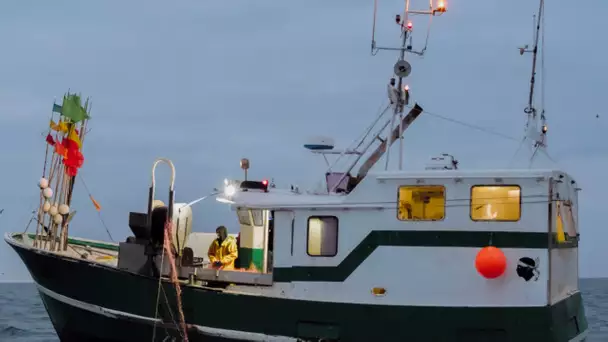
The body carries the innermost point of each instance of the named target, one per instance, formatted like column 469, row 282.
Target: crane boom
column 396, row 134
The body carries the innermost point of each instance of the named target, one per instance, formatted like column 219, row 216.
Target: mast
column 398, row 93
column 535, row 54
column 532, row 120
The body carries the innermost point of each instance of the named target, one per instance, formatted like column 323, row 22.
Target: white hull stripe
column 115, row 314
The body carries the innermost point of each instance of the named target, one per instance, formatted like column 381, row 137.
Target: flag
column 57, row 108
column 50, row 140
column 72, row 108
column 61, row 150
column 95, row 203
column 73, row 135
column 61, row 127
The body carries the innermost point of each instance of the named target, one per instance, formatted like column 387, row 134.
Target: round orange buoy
column 491, row 262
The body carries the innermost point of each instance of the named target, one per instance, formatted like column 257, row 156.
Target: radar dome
column 319, row 143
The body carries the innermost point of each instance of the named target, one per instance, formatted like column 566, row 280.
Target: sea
column 24, row 319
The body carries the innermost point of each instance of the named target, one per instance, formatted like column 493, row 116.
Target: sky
column 206, row 83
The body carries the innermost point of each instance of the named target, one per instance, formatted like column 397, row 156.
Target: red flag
column 50, row 140
column 60, row 150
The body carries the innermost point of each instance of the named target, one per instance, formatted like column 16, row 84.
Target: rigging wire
column 379, row 114
column 462, row 203
column 466, row 124
column 361, row 137
column 98, row 212
column 521, row 144
column 428, row 34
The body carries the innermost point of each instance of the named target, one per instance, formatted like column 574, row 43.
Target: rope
column 168, row 250
column 160, row 282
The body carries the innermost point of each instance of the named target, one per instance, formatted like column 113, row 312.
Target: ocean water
column 24, row 319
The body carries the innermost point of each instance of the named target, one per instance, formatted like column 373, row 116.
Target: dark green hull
column 91, row 302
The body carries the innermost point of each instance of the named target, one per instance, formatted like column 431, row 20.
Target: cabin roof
column 481, row 173
column 280, row 198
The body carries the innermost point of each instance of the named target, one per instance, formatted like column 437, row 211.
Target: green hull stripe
column 410, row 239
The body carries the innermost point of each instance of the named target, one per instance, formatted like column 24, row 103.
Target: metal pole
column 399, row 94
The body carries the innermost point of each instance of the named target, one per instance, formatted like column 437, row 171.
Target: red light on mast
column 409, row 25
column 441, row 6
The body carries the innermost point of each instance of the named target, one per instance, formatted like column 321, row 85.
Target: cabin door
column 268, row 221
column 282, row 232
column 252, row 249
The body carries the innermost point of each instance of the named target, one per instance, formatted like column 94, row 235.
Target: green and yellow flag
column 72, row 108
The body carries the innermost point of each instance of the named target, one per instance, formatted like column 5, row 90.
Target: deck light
column 229, row 190
column 406, row 93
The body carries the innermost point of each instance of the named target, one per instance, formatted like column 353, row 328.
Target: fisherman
column 223, row 250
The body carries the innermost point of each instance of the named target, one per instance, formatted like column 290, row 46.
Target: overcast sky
column 206, row 83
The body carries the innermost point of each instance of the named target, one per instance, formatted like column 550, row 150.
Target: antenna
column 398, row 93
column 532, row 121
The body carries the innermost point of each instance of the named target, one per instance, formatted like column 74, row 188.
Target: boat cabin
column 290, row 236
column 339, row 238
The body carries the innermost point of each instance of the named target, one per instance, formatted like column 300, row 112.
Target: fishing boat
column 440, row 254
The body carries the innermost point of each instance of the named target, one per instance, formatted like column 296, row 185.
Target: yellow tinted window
column 495, row 203
column 421, row 203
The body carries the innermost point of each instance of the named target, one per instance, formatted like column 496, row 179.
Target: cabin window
column 421, row 203
column 495, row 203
column 322, row 236
column 257, row 217
column 243, row 215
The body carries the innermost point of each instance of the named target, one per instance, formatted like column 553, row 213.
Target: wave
column 10, row 330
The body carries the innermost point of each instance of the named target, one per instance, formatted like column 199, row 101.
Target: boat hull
column 93, row 302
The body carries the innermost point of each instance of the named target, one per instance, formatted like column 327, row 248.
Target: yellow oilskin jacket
column 226, row 253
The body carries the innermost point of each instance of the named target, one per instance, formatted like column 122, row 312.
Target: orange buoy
column 491, row 262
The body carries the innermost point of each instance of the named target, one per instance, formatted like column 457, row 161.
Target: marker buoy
column 491, row 262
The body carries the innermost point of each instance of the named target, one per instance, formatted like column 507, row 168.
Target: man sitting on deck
column 223, row 250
